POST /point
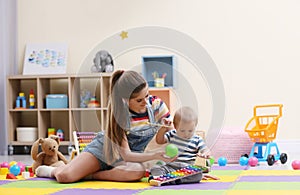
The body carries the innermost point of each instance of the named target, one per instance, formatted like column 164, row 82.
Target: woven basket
column 231, row 144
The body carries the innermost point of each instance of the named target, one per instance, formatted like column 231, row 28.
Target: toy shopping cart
column 262, row 129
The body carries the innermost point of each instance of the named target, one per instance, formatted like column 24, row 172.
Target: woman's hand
column 162, row 156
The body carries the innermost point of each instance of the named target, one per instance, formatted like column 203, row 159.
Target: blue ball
column 222, row 161
column 15, row 169
column 244, row 161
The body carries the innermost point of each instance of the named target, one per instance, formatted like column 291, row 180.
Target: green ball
column 211, row 160
column 171, row 150
column 160, row 162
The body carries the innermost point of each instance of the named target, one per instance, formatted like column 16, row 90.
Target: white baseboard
column 290, row 147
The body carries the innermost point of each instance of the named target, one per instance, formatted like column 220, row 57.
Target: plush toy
column 85, row 97
column 49, row 155
column 103, row 62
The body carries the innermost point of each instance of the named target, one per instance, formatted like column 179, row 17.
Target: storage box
column 56, row 101
column 26, row 134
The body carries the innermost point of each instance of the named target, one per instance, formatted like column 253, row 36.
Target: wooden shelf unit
column 162, row 93
column 73, row 118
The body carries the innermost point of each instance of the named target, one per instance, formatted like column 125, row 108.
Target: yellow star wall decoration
column 124, row 35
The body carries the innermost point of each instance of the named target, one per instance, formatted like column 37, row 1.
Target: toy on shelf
column 21, row 101
column 31, row 99
column 159, row 79
column 51, row 131
column 81, row 139
column 94, row 103
column 103, row 62
column 262, row 129
column 60, row 134
column 85, row 97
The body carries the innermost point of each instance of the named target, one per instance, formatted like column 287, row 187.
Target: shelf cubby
column 69, row 119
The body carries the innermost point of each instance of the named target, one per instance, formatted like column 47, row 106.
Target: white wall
column 254, row 43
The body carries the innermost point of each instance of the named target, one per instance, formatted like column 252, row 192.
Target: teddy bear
column 103, row 62
column 49, row 155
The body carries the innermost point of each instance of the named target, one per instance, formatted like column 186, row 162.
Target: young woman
column 117, row 153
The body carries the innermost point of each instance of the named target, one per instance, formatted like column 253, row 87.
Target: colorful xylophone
column 175, row 175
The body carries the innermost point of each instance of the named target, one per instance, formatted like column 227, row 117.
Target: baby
column 189, row 144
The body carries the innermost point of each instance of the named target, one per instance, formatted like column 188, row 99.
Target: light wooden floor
column 26, row 159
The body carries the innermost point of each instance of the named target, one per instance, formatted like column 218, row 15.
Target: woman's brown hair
column 124, row 85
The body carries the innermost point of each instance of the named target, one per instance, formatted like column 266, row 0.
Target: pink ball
column 22, row 166
column 4, row 165
column 296, row 164
column 253, row 161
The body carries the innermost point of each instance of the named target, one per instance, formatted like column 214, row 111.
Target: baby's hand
column 206, row 156
column 167, row 122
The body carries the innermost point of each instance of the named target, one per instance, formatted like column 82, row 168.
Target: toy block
column 10, row 176
column 147, row 173
column 29, row 169
column 202, row 162
column 25, row 174
column 4, row 171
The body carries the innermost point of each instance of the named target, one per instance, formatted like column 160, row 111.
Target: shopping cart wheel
column 283, row 158
column 271, row 159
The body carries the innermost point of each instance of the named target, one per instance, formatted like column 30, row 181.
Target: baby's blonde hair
column 185, row 114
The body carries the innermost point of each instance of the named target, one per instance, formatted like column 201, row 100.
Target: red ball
column 253, row 161
column 296, row 164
